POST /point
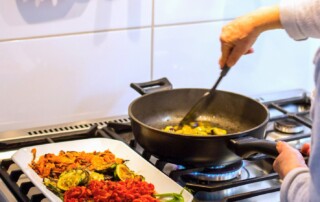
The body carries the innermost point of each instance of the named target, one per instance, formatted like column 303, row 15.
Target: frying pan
column 244, row 118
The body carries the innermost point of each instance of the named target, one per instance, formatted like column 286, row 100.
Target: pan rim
column 232, row 135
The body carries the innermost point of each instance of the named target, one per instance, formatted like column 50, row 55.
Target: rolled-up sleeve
column 300, row 18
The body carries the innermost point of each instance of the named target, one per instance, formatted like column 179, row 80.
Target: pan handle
column 152, row 86
column 246, row 146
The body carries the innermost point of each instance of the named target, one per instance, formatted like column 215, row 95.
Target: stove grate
column 11, row 181
column 243, row 196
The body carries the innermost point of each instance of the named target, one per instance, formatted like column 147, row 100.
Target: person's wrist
column 266, row 18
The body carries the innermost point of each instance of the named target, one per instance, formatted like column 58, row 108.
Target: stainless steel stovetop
column 253, row 181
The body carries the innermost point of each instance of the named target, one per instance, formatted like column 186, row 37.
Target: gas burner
column 218, row 173
column 288, row 126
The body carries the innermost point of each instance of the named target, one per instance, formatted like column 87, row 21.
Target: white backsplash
column 75, row 60
column 24, row 19
column 182, row 11
column 279, row 63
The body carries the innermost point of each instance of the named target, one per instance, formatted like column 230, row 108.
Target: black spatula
column 202, row 103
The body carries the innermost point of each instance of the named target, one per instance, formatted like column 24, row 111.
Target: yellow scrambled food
column 197, row 128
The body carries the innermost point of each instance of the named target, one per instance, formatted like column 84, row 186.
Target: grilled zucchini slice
column 72, row 178
column 52, row 185
column 122, row 172
column 96, row 176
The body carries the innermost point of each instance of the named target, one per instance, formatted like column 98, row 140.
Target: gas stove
column 251, row 179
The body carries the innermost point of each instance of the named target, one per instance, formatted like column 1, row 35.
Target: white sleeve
column 295, row 186
column 300, row 18
column 303, row 184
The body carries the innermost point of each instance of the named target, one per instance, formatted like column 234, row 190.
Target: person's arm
column 238, row 36
column 296, row 186
column 300, row 18
column 301, row 183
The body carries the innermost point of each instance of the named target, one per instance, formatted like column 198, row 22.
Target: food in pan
column 96, row 176
column 196, row 128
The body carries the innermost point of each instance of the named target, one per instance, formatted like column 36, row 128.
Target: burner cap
column 218, row 173
column 288, row 126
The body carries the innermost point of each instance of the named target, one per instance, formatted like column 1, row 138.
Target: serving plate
column 162, row 183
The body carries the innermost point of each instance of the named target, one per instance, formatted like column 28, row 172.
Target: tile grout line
column 117, row 29
column 73, row 34
column 152, row 42
column 192, row 23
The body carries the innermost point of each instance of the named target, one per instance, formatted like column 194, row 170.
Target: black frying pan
column 245, row 120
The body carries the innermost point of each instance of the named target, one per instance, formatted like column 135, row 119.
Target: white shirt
column 301, row 19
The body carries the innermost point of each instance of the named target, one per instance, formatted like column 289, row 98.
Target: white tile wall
column 188, row 55
column 184, row 11
column 75, row 60
column 24, row 18
column 64, row 79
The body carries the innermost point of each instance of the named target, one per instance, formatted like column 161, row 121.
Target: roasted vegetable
column 105, row 168
column 51, row 165
column 73, row 178
column 76, row 175
column 52, row 186
column 96, row 176
column 112, row 191
column 122, row 172
column 170, row 197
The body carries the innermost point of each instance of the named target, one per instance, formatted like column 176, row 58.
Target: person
column 301, row 20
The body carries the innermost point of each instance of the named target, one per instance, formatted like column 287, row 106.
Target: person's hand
column 236, row 39
column 287, row 160
column 238, row 36
column 306, row 149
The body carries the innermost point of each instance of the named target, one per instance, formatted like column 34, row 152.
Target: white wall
column 74, row 60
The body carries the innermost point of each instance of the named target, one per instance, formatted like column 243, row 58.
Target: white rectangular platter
column 162, row 183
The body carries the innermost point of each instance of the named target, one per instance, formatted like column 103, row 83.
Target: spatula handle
column 223, row 72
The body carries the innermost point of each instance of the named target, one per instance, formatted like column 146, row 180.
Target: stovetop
column 255, row 181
